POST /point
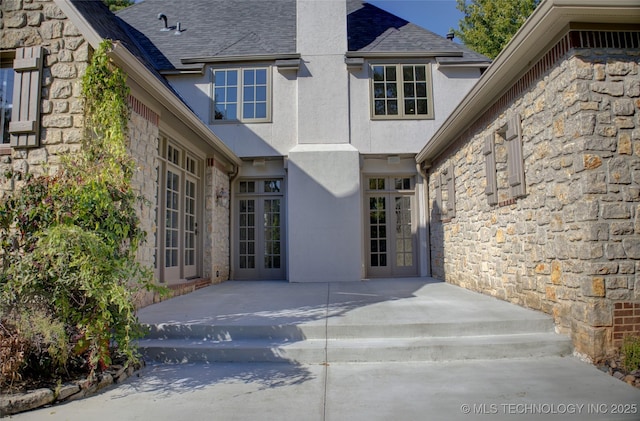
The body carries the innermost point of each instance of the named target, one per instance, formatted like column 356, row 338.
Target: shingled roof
column 223, row 28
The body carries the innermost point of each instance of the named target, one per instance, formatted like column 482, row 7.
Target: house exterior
column 533, row 183
column 45, row 48
column 275, row 140
column 326, row 103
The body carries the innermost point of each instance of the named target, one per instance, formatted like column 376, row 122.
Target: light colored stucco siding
column 323, row 209
column 322, row 79
column 274, row 138
column 404, row 136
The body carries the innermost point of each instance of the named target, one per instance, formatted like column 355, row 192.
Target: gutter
column 238, row 59
column 536, row 35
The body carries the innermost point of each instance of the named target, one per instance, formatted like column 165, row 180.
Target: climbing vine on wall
column 68, row 244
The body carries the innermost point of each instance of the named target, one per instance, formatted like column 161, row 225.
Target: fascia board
column 528, row 44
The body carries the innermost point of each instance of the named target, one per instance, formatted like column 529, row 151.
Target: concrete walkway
column 542, row 388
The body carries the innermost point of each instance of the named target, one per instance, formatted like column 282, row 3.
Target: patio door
column 391, row 233
column 259, row 248
column 178, row 251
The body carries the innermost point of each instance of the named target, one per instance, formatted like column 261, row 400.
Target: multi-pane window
column 241, row 94
column 401, row 91
column 6, row 98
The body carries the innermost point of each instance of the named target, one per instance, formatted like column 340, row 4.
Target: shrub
column 67, row 248
column 32, row 342
column 631, row 353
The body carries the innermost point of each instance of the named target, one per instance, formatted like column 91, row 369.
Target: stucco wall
column 571, row 246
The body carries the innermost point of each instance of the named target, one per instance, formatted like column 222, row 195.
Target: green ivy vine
column 68, row 248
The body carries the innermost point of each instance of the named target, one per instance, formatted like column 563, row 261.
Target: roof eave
column 238, row 59
column 407, row 54
column 139, row 72
column 530, row 42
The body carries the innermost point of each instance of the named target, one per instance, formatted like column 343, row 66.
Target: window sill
column 397, row 118
column 223, row 122
column 5, row 150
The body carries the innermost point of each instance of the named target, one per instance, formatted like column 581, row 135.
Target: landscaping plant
column 631, row 353
column 67, row 249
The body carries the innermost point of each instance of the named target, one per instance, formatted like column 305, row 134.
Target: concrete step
column 299, row 332
column 318, row 351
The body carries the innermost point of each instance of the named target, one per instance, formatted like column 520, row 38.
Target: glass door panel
column 172, row 225
column 247, row 237
column 378, row 231
column 190, row 229
column 404, row 236
column 272, row 233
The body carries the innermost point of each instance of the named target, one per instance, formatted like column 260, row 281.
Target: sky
column 435, row 15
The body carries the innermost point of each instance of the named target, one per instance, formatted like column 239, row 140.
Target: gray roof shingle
column 108, row 26
column 225, row 28
column 212, row 28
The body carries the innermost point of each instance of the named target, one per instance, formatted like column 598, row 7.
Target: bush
column 631, row 353
column 67, row 249
column 32, row 343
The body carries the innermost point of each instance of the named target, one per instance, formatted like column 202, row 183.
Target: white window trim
column 241, row 119
column 401, row 116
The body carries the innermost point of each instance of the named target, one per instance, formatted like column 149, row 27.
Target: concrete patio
column 410, row 349
column 384, row 320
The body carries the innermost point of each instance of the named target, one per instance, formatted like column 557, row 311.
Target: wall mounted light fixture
column 222, row 197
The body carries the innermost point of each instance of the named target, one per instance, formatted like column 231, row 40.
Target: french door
column 259, row 230
column 178, row 253
column 391, row 232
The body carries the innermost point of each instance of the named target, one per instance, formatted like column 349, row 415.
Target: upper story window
column 6, row 97
column 241, row 95
column 401, row 91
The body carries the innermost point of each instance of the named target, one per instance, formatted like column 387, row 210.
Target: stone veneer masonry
column 571, row 246
column 216, row 258
column 25, row 23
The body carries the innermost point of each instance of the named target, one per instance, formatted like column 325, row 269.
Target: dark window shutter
column 451, row 193
column 438, row 189
column 515, row 162
column 490, row 164
column 25, row 117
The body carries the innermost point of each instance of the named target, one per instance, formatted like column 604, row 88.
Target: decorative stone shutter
column 515, row 162
column 24, row 127
column 489, row 152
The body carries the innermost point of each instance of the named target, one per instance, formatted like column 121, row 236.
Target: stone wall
column 216, row 256
column 26, row 23
column 143, row 140
column 571, row 246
